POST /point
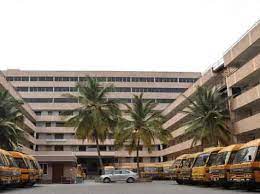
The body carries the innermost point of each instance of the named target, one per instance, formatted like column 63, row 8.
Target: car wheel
column 130, row 180
column 106, row 180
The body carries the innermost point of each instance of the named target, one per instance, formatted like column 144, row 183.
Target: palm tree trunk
column 99, row 155
column 137, row 158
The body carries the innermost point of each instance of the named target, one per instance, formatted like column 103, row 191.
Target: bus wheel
column 180, row 182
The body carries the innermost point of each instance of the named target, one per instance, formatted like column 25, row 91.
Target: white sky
column 148, row 35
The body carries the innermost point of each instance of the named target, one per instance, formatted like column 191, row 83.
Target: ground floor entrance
column 91, row 164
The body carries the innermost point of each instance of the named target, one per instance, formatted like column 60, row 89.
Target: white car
column 119, row 175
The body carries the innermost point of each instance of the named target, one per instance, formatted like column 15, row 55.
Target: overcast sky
column 147, row 35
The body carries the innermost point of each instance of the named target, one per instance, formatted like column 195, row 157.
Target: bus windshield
column 201, row 160
column 245, row 155
column 187, row 162
column 221, row 158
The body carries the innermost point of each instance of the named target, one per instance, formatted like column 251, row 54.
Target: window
column 188, row 80
column 160, row 90
column 165, row 100
column 201, row 160
column 62, row 79
column 38, row 100
column 118, row 79
column 38, row 112
column 82, row 148
column 212, row 159
column 17, row 78
column 58, row 148
column 41, row 78
column 73, row 89
column 65, row 100
column 245, row 155
column 142, row 79
column 22, row 89
column 44, row 168
column 166, row 79
column 59, row 124
column 61, row 89
column 120, row 89
column 20, row 163
column 257, row 158
column 58, row 136
column 41, row 89
column 2, row 162
column 48, row 124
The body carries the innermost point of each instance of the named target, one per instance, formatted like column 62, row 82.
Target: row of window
column 71, row 100
column 104, row 79
column 116, row 89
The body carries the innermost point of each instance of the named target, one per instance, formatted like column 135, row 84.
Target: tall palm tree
column 209, row 118
column 11, row 118
column 141, row 124
column 97, row 115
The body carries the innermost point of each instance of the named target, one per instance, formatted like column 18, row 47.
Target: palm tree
column 97, row 115
column 209, row 118
column 11, row 118
column 141, row 124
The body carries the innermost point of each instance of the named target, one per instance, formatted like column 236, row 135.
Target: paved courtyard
column 156, row 187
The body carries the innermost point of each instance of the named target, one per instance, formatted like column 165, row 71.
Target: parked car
column 119, row 175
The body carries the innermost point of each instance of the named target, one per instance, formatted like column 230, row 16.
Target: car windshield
column 201, row 160
column 245, row 155
column 221, row 158
column 20, row 162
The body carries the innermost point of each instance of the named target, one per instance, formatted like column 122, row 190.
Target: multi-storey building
column 242, row 62
column 238, row 76
column 29, row 117
column 56, row 146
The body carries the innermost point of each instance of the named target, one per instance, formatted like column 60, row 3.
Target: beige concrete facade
column 54, row 143
column 239, row 74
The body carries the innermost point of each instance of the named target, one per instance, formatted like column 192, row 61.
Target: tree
column 141, row 124
column 209, row 118
column 97, row 115
column 11, row 118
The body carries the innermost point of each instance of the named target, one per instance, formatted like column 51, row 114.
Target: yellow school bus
column 152, row 170
column 220, row 170
column 9, row 172
column 37, row 171
column 185, row 172
column 27, row 171
column 245, row 169
column 200, row 170
column 176, row 166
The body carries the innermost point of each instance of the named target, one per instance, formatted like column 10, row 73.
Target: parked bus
column 220, row 170
column 176, row 166
column 200, row 170
column 9, row 171
column 37, row 171
column 245, row 169
column 185, row 172
column 27, row 171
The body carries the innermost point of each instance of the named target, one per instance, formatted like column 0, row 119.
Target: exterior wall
column 243, row 64
column 48, row 120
